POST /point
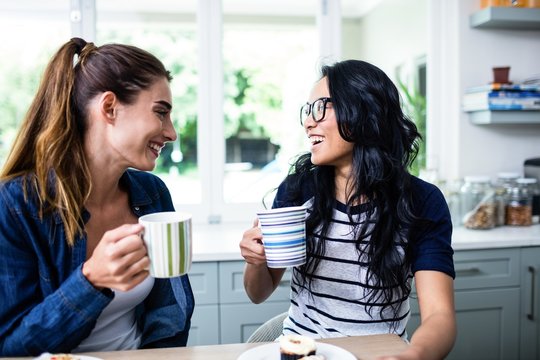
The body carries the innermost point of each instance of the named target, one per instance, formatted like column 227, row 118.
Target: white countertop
column 220, row 242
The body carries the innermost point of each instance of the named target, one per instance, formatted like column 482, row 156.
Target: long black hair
column 369, row 115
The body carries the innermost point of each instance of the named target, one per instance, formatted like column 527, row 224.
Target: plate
column 271, row 352
column 47, row 356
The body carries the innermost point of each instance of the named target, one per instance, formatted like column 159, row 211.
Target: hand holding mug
column 119, row 261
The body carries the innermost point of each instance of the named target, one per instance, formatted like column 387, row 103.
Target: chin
column 145, row 167
column 315, row 160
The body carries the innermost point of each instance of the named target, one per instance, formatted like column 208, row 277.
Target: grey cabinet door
column 204, row 326
column 530, row 304
column 205, row 320
column 239, row 321
column 487, row 295
column 488, row 324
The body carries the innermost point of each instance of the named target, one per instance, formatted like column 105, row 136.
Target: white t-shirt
column 116, row 328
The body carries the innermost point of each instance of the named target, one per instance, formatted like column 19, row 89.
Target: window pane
column 166, row 28
column 30, row 32
column 270, row 64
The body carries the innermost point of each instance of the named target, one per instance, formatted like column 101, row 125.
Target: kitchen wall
column 393, row 34
column 458, row 57
column 463, row 57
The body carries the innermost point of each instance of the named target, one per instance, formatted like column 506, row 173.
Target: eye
column 162, row 114
column 319, row 106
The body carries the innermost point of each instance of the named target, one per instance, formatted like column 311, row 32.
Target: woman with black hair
column 371, row 227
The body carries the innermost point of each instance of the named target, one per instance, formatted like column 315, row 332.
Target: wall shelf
column 505, row 117
column 506, row 18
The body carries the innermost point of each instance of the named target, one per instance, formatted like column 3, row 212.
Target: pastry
column 293, row 347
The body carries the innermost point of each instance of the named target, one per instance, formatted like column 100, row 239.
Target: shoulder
column 18, row 194
column 295, row 190
column 426, row 197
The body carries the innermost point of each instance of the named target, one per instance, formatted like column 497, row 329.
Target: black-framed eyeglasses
column 317, row 108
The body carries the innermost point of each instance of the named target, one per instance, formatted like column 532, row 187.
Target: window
column 31, row 31
column 241, row 70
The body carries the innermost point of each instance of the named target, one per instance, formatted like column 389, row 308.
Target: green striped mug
column 168, row 240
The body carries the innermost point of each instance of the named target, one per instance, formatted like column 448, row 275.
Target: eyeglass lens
column 317, row 108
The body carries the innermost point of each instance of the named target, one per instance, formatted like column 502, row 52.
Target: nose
column 309, row 122
column 168, row 131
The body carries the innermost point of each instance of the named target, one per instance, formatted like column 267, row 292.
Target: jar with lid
column 453, row 199
column 534, row 191
column 478, row 203
column 519, row 204
column 504, row 182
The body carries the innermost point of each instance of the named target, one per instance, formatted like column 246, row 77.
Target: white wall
column 463, row 57
column 458, row 56
column 393, row 33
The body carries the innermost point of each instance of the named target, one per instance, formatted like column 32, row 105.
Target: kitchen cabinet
column 487, row 293
column 530, row 304
column 223, row 312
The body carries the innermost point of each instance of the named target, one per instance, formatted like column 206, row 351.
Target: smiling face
column 327, row 145
column 141, row 129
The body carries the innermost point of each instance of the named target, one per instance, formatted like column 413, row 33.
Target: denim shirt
column 46, row 304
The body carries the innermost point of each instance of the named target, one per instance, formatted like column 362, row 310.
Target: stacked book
column 502, row 97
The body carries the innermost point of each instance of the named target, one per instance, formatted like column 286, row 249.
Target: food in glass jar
column 519, row 215
column 482, row 217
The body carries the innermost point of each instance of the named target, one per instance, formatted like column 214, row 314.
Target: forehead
column 320, row 89
column 161, row 88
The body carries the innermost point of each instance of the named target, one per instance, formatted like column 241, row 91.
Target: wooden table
column 363, row 347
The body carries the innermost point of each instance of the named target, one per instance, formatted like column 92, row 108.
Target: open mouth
column 315, row 140
column 156, row 148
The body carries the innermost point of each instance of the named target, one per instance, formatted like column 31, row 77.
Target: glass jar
column 534, row 191
column 453, row 199
column 504, row 182
column 519, row 203
column 478, row 203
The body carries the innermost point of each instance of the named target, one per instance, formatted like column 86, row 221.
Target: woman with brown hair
column 73, row 268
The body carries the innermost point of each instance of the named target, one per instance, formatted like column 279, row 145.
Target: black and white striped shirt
column 336, row 304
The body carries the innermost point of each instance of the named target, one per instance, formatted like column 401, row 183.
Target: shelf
column 505, row 117
column 506, row 18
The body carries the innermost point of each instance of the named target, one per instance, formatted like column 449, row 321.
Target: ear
column 108, row 105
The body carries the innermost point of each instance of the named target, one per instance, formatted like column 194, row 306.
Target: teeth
column 155, row 147
column 316, row 139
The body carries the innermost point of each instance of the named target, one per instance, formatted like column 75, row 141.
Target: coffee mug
column 168, row 240
column 284, row 236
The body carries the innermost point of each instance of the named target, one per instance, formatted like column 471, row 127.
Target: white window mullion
column 329, row 26
column 83, row 19
column 211, row 146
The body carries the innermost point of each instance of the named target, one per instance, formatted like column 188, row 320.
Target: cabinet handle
column 469, row 271
column 532, row 270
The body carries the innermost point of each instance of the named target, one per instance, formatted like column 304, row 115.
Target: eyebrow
column 164, row 103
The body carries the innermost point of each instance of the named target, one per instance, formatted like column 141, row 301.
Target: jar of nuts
column 519, row 203
column 478, row 203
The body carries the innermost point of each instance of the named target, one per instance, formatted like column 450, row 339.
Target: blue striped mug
column 284, row 236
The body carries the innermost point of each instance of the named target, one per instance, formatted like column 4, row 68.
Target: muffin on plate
column 294, row 347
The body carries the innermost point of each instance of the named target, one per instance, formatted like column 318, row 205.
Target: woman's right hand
column 119, row 261
column 251, row 246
